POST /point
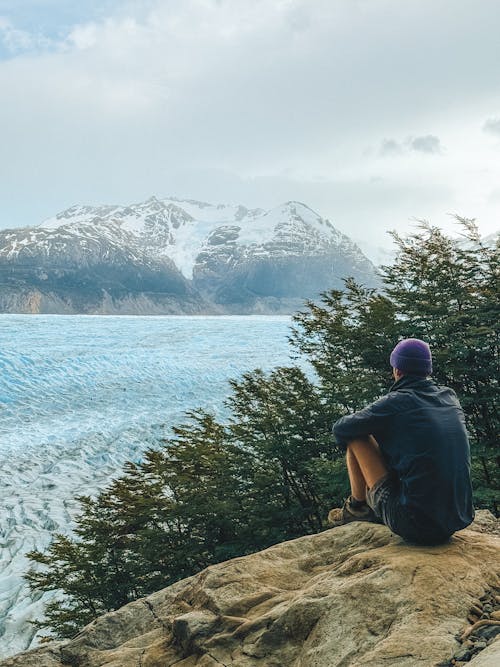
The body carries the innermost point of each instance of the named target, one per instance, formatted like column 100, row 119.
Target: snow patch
column 178, row 229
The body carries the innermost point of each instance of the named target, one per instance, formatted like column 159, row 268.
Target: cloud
column 19, row 41
column 492, row 126
column 390, row 147
column 428, row 143
column 194, row 97
column 494, row 196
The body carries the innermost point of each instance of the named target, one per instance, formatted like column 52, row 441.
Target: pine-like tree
column 446, row 291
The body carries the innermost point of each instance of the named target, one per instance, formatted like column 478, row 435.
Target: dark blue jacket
column 420, row 428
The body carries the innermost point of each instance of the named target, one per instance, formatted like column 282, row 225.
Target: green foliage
column 283, row 423
column 348, row 338
column 213, row 491
column 210, row 493
column 446, row 291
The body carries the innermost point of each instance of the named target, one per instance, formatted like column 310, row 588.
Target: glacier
column 82, row 394
column 179, row 229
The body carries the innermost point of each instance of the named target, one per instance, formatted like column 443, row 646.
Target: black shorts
column 385, row 500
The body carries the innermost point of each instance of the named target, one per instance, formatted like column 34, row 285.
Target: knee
column 354, row 447
column 361, row 446
column 362, row 441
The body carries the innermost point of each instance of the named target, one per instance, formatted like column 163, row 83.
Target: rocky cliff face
column 88, row 268
column 175, row 256
column 348, row 597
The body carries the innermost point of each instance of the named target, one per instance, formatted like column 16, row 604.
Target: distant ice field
column 80, row 395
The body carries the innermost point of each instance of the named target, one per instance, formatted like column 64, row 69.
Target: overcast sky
column 373, row 112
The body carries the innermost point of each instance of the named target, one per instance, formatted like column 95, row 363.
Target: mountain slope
column 184, row 256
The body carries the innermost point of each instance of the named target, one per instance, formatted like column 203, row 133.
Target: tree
column 348, row 337
column 446, row 291
column 284, row 424
column 164, row 519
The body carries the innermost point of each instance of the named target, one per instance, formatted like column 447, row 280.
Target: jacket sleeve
column 368, row 421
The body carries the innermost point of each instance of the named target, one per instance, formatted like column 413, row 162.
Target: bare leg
column 358, row 484
column 366, row 463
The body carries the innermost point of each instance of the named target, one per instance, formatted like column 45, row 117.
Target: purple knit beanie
column 412, row 356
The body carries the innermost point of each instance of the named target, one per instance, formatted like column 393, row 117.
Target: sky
column 375, row 113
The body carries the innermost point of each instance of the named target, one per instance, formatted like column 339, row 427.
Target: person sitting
column 408, row 455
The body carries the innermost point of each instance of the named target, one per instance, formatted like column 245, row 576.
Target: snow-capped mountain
column 492, row 239
column 174, row 255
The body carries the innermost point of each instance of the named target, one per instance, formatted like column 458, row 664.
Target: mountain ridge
column 177, row 255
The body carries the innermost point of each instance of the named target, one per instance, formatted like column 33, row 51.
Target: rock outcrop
column 351, row 596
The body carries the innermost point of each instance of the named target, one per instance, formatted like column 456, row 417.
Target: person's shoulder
column 446, row 396
column 444, row 390
column 392, row 397
column 393, row 400
column 402, row 399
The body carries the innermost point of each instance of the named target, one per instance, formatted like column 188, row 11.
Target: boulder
column 490, row 657
column 351, row 596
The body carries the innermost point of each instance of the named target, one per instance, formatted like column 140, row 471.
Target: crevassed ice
column 80, row 395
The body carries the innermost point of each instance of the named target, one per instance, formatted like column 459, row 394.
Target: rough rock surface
column 348, row 597
column 490, row 657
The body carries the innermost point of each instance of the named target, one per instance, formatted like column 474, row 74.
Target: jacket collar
column 412, row 382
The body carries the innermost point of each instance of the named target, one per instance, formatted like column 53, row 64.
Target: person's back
column 408, row 455
column 426, row 444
